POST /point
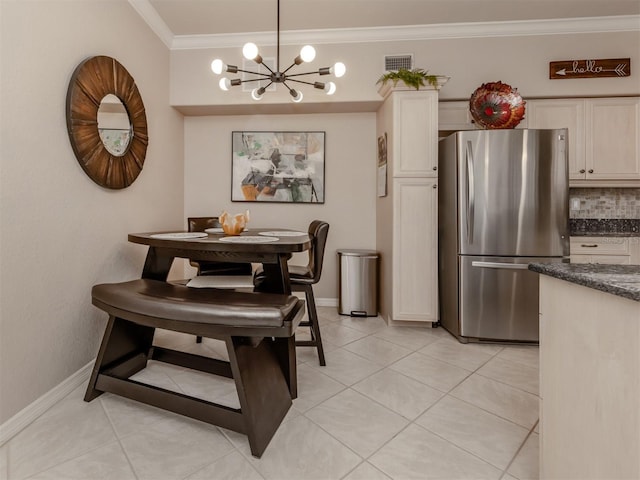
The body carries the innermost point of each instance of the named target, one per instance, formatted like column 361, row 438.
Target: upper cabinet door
column 454, row 116
column 567, row 114
column 415, row 120
column 613, row 138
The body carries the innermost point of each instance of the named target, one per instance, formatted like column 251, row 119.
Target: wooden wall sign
column 609, row 67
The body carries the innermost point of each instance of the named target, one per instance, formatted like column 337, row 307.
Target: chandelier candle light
column 250, row 52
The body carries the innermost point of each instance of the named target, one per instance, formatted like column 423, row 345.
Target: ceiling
column 205, row 17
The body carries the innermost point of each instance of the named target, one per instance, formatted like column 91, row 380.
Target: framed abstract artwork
column 279, row 167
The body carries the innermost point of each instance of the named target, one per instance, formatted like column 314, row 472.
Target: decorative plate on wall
column 496, row 105
column 111, row 155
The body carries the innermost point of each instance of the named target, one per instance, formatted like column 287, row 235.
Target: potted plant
column 412, row 78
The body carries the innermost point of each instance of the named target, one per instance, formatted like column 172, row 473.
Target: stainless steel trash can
column 358, row 283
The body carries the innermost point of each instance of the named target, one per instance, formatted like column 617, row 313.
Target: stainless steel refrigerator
column 503, row 203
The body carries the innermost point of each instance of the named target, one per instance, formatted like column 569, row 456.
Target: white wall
column 350, row 159
column 522, row 62
column 60, row 232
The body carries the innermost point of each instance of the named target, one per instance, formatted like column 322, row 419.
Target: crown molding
column 154, row 21
column 620, row 23
column 415, row 32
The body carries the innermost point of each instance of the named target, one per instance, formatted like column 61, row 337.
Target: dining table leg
column 276, row 276
column 157, row 265
column 277, row 281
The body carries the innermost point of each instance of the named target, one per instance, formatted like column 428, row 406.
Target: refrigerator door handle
column 511, row 266
column 471, row 198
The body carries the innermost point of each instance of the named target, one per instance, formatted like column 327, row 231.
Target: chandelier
column 250, row 52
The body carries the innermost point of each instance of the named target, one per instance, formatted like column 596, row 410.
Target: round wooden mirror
column 111, row 157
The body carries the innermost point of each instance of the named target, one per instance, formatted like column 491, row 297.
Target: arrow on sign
column 619, row 70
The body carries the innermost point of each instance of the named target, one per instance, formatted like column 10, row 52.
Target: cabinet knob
column 591, row 170
column 435, row 186
column 435, row 168
column 582, row 170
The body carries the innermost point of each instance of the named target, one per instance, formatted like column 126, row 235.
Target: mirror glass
column 114, row 125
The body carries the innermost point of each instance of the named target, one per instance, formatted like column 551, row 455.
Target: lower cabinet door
column 415, row 249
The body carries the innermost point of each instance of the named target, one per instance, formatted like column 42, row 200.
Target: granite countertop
column 621, row 280
column 604, row 227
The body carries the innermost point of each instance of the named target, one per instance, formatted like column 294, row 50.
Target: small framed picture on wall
column 382, row 165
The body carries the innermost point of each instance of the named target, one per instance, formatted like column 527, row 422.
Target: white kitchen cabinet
column 568, row 114
column 608, row 250
column 415, row 146
column 454, row 116
column 589, row 388
column 613, row 138
column 634, row 250
column 604, row 137
column 415, row 249
column 407, row 221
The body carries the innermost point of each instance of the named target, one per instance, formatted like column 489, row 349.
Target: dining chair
column 302, row 279
column 200, row 224
column 223, row 274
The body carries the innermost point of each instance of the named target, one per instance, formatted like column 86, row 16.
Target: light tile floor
column 392, row 403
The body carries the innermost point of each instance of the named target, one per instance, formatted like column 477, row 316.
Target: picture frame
column 382, row 165
column 277, row 166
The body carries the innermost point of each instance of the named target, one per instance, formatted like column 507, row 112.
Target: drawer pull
column 593, row 245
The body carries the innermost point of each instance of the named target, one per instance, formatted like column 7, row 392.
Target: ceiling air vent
column 396, row 62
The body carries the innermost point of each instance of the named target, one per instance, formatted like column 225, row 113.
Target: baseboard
column 326, row 302
column 27, row 415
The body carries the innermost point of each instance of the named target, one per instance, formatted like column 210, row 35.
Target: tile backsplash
column 605, row 203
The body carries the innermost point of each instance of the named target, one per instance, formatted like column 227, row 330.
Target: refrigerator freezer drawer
column 499, row 298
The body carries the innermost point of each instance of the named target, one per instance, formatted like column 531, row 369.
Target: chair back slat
column 318, row 231
column 200, row 224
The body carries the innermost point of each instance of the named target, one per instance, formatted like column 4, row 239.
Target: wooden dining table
column 260, row 245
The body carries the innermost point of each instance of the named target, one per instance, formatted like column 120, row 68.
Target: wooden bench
column 258, row 329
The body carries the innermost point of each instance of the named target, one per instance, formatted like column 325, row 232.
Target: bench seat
column 257, row 328
column 195, row 308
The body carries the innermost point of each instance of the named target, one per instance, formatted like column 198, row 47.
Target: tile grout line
column 506, row 470
column 509, row 384
column 115, row 432
column 8, row 444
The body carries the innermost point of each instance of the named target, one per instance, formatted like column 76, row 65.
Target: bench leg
column 285, row 349
column 262, row 389
column 123, row 343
